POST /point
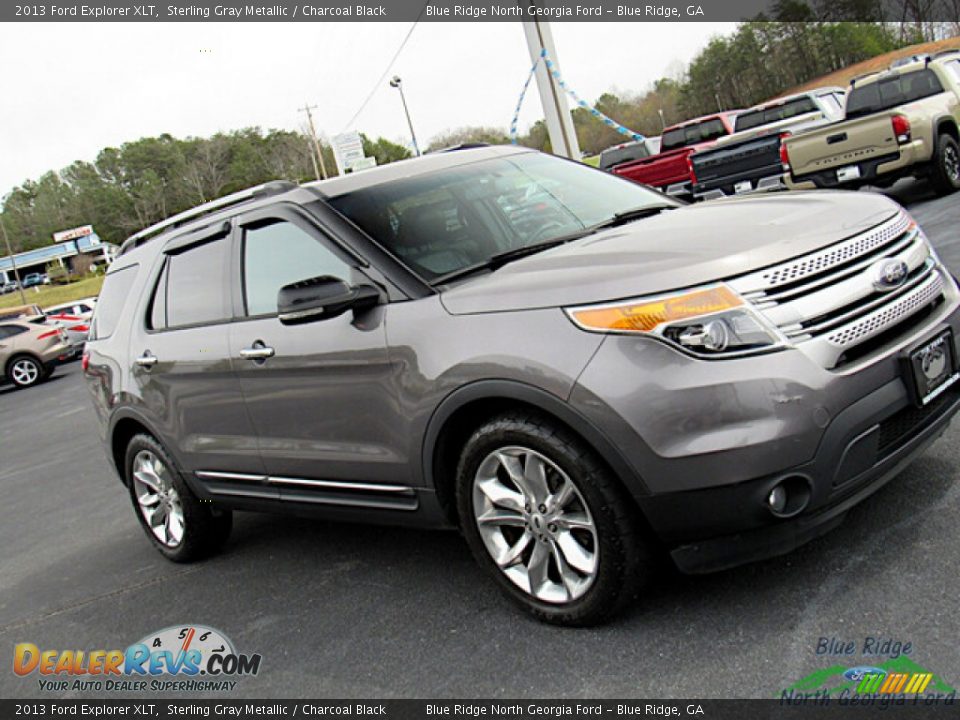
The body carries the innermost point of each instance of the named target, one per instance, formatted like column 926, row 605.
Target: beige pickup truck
column 900, row 122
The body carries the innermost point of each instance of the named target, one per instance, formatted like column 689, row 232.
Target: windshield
column 442, row 222
column 889, row 92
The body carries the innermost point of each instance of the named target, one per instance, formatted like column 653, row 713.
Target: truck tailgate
column 727, row 163
column 658, row 170
column 841, row 144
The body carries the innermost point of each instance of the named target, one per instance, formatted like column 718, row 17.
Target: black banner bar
column 856, row 706
column 945, row 11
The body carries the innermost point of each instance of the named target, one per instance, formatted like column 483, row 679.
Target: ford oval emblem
column 889, row 274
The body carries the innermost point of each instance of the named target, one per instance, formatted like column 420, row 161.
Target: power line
column 380, row 80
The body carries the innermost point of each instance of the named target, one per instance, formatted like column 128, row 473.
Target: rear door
column 183, row 371
column 321, row 395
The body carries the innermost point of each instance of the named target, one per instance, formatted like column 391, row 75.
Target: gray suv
column 573, row 369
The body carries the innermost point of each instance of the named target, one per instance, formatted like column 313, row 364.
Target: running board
column 307, row 490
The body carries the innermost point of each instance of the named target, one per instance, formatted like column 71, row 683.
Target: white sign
column 363, row 164
column 347, row 148
column 73, row 234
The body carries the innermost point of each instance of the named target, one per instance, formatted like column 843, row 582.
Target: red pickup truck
column 670, row 169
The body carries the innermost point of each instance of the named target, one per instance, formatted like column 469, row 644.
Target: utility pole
column 563, row 135
column 316, row 142
column 13, row 262
column 397, row 83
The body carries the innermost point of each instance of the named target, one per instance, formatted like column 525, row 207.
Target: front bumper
column 710, row 440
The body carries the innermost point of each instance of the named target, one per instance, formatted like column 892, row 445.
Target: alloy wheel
column 25, row 372
column 535, row 524
column 951, row 163
column 157, row 498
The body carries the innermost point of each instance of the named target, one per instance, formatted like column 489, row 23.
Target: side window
column 279, row 253
column 196, row 287
column 8, row 331
column 113, row 296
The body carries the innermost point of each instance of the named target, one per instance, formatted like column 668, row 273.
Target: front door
column 320, row 394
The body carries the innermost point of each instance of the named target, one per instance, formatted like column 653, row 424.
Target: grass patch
column 47, row 295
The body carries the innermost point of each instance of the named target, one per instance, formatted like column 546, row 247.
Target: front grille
column 827, row 304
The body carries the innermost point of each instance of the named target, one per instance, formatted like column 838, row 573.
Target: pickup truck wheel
column 176, row 522
column 547, row 521
column 946, row 166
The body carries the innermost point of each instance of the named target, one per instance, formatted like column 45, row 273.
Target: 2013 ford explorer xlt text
column 568, row 366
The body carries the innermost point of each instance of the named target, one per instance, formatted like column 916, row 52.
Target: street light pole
column 13, row 262
column 396, row 82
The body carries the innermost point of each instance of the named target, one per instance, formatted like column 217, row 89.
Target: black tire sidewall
column 941, row 178
column 203, row 531
column 617, row 540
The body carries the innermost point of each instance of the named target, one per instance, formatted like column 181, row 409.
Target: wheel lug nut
column 527, row 507
column 552, row 527
column 542, row 508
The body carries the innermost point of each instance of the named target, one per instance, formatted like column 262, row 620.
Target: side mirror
column 321, row 298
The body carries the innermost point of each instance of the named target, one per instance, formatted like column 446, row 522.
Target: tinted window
column 197, row 284
column 766, row 116
column 113, row 295
column 447, row 220
column 892, row 91
column 693, row 134
column 7, row 331
column 623, row 153
column 281, row 253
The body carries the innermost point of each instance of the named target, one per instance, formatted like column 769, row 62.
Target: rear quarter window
column 113, row 297
column 888, row 93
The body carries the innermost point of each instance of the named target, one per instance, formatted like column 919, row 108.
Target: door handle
column 258, row 351
column 147, row 360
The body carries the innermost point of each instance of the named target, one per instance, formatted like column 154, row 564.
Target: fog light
column 777, row 500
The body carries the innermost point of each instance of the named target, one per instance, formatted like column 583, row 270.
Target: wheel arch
column 946, row 125
column 124, row 427
column 461, row 412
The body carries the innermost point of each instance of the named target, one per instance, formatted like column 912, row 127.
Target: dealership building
column 67, row 245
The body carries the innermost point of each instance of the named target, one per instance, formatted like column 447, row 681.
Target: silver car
column 572, row 369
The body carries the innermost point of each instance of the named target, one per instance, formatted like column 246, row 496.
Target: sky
column 71, row 89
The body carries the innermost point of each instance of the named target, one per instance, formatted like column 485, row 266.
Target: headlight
column 708, row 321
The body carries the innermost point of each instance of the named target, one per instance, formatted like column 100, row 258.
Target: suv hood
column 693, row 245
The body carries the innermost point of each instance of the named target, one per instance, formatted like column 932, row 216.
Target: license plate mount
column 931, row 368
column 851, row 172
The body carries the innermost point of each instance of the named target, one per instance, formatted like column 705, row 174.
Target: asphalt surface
column 341, row 610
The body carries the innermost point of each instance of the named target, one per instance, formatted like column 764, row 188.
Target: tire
column 25, row 371
column 945, row 177
column 592, row 529
column 185, row 529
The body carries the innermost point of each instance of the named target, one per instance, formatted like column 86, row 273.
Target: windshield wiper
column 627, row 216
column 500, row 259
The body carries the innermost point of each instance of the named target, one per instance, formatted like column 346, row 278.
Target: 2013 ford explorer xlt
column 566, row 365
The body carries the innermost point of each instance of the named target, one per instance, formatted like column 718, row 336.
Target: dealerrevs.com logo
column 184, row 658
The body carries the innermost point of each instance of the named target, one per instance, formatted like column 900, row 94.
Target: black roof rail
column 274, row 187
column 462, row 146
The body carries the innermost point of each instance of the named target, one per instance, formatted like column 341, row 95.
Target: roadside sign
column 73, row 234
column 347, row 148
column 363, row 164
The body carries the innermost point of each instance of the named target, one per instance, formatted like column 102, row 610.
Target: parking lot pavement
column 343, row 611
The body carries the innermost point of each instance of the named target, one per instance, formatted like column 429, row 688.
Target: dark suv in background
column 572, row 368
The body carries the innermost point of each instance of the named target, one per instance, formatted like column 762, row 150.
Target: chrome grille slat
column 822, row 327
column 826, row 303
column 891, row 250
column 879, row 320
column 823, row 260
